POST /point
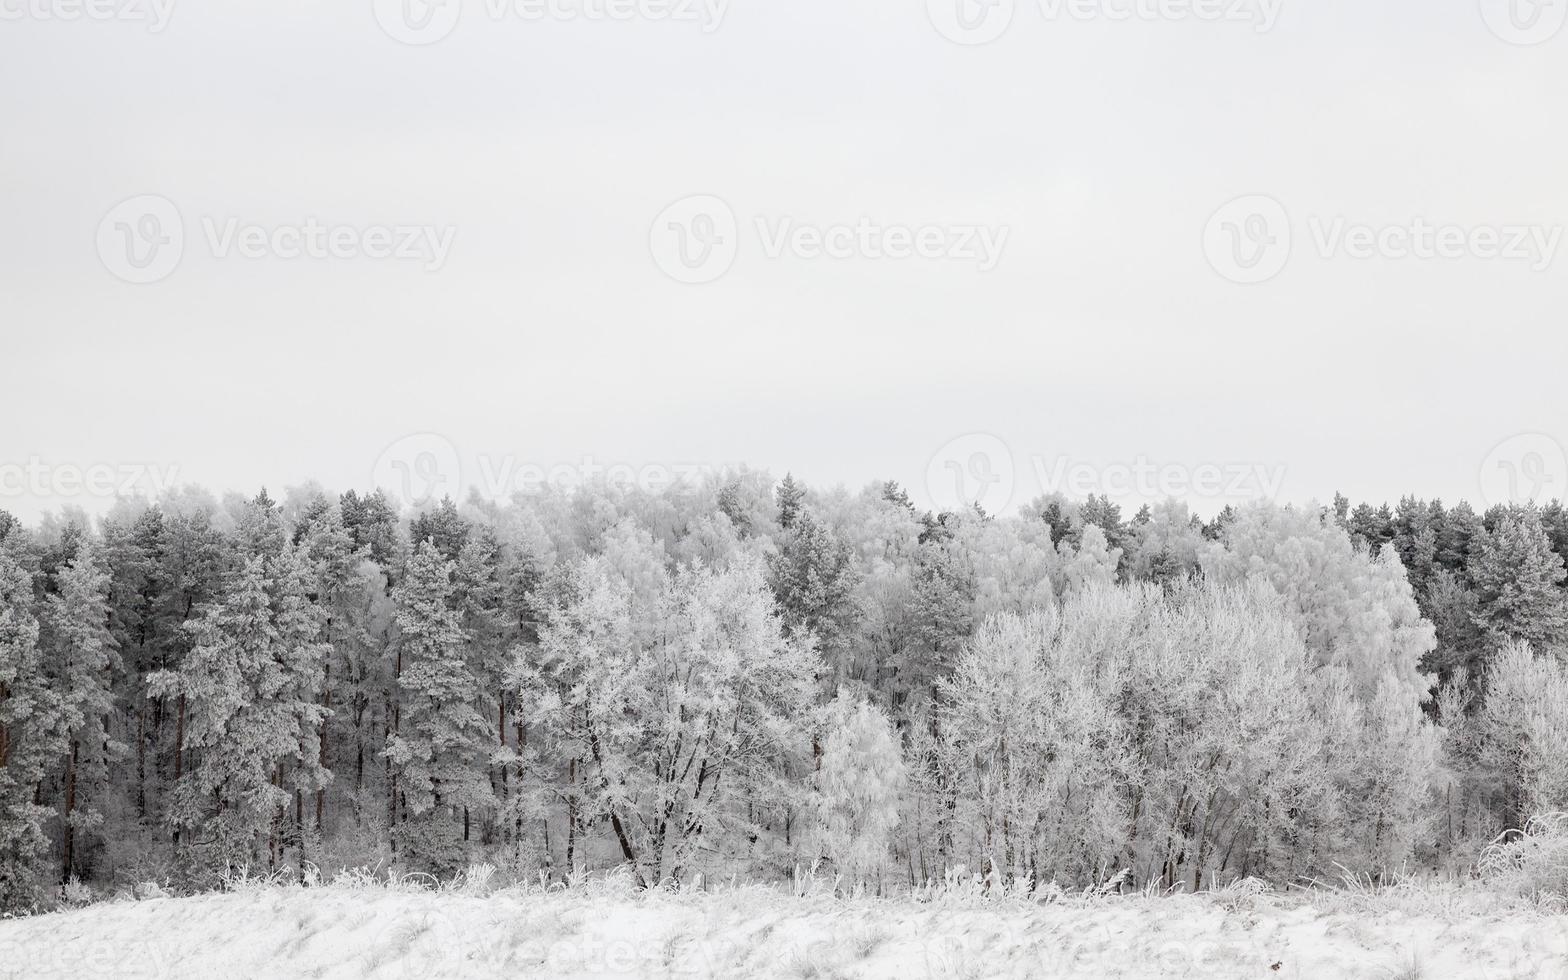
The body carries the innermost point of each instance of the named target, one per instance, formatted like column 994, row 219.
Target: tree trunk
column 68, row 846
column 321, row 738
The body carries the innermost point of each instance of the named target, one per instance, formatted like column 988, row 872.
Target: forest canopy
column 747, row 676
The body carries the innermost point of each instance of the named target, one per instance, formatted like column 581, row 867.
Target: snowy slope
column 340, row 932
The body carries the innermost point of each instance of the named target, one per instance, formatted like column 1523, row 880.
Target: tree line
column 743, row 676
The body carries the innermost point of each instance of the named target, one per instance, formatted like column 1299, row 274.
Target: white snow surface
column 343, row 932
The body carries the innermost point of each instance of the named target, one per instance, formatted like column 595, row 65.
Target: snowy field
column 344, row 932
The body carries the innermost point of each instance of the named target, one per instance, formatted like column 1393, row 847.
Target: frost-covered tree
column 814, row 577
column 1353, row 609
column 1519, row 584
column 440, row 745
column 680, row 711
column 302, row 657
column 345, row 596
column 1032, row 751
column 1165, row 547
column 1522, row 734
column 1091, row 564
column 251, row 686
column 724, row 723
column 791, row 497
column 856, row 788
column 941, row 616
column 81, row 664
column 572, row 686
column 1389, row 802
column 479, row 597
column 444, row 527
column 28, row 744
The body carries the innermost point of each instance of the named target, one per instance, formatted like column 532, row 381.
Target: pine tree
column 29, row 713
column 371, row 521
column 259, row 527
column 1457, row 534
column 479, row 596
column 1554, row 519
column 193, row 561
column 144, row 629
column 81, row 665
column 442, row 526
column 1342, row 510
column 349, row 676
column 439, row 749
column 814, row 582
column 941, row 619
column 791, row 497
column 302, row 657
column 732, row 505
column 1519, row 584
column 250, row 685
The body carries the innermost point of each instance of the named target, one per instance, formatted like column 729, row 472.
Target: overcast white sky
column 1107, row 334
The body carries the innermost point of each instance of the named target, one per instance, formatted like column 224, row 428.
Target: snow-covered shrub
column 73, row 892
column 1532, row 862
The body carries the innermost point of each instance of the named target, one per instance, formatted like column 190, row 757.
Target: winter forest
column 747, row 677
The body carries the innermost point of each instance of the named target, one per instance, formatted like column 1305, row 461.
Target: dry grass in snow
column 376, row 930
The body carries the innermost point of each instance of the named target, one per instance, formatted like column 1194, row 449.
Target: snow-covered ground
column 341, row 932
